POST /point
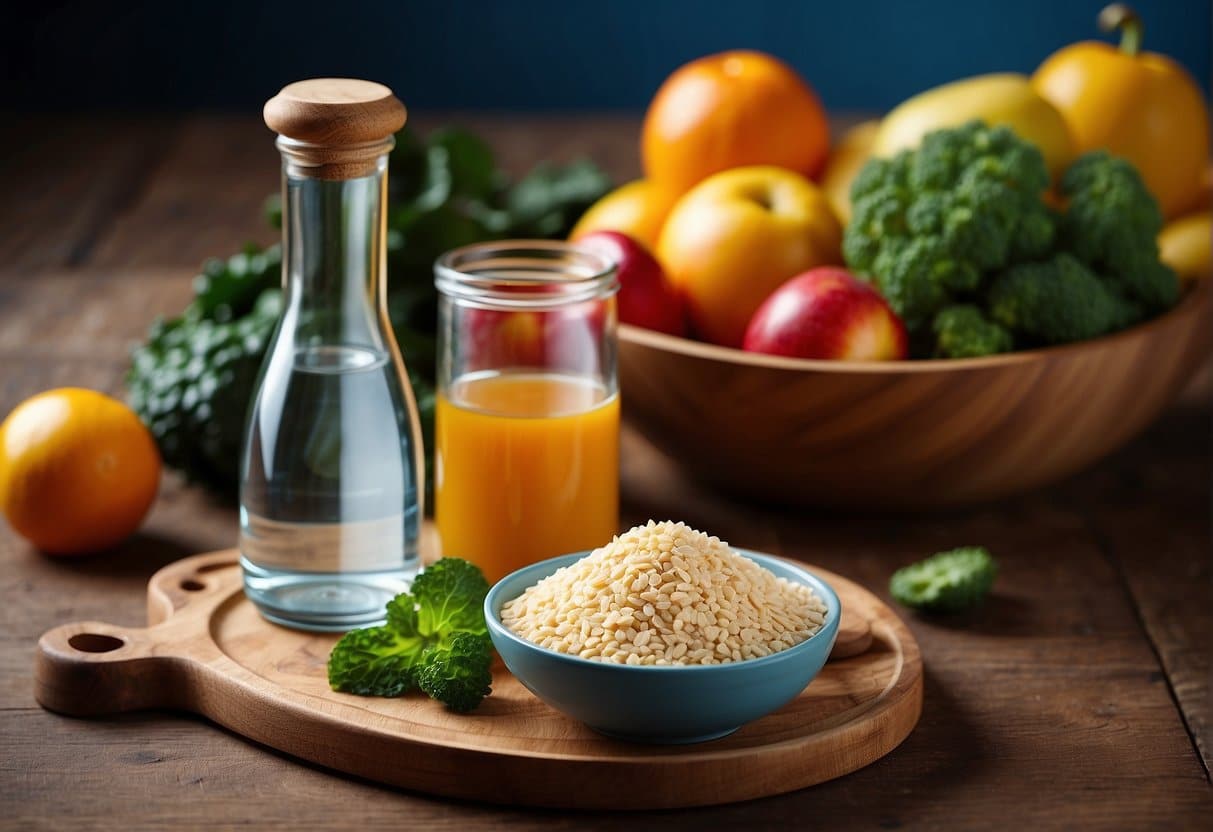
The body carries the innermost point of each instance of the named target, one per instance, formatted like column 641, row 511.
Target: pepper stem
column 1121, row 16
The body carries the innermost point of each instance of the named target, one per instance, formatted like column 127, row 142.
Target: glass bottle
column 527, row 423
column 332, row 472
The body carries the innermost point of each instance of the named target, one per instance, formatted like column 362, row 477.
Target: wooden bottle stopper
column 334, row 128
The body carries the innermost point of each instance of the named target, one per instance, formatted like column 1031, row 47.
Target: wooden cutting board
column 207, row 650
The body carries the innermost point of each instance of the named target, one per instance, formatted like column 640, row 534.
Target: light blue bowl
column 672, row 704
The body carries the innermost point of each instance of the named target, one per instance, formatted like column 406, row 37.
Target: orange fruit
column 637, row 209
column 732, row 110
column 78, row 471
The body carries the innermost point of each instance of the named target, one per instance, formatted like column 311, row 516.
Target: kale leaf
column 435, row 639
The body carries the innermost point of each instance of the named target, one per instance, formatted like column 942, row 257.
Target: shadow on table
column 999, row 615
column 140, row 555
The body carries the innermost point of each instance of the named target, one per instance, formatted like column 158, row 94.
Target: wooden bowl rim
column 1192, row 299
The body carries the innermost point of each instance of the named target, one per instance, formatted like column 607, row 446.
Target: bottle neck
column 334, row 247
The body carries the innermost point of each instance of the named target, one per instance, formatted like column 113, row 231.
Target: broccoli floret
column 963, row 331
column 435, row 639
column 1150, row 283
column 458, row 675
column 1111, row 223
column 915, row 277
column 946, row 582
column 1057, row 301
column 929, row 224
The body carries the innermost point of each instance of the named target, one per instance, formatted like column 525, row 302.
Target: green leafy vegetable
column 435, row 639
column 227, row 289
column 458, row 675
column 378, row 661
column 958, row 237
column 449, row 596
column 946, row 582
column 1111, row 224
column 192, row 381
column 548, row 201
column 963, row 331
column 927, row 224
column 1057, row 301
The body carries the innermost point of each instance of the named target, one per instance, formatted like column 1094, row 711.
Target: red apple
column 492, row 339
column 646, row 297
column 827, row 313
column 563, row 338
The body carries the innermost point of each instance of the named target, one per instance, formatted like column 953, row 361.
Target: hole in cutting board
column 190, row 585
column 94, row 643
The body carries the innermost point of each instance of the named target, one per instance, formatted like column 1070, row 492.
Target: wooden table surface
column 1078, row 695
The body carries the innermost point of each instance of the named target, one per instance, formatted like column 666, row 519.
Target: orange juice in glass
column 527, row 426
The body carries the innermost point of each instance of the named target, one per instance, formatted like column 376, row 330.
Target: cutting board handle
column 88, row 669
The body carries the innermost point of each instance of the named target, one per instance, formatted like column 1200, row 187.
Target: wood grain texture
column 1165, row 564
column 1063, row 704
column 907, row 434
column 203, row 198
column 207, row 650
column 67, row 179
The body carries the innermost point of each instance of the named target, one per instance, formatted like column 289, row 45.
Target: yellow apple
column 735, row 237
column 846, row 160
column 1186, row 245
column 637, row 209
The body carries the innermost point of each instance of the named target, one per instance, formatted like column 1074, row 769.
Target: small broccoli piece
column 929, row 224
column 963, row 331
column 458, row 675
column 946, row 582
column 1056, row 301
column 1111, row 223
column 435, row 639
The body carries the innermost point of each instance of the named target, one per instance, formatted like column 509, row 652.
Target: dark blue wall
column 534, row 54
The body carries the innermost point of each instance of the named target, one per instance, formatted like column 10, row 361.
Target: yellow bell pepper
column 1139, row 105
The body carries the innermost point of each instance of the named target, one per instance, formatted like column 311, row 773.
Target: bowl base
column 658, row 739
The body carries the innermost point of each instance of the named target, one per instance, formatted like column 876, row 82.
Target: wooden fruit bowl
column 905, row 434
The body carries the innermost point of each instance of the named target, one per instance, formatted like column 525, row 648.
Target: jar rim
column 505, row 273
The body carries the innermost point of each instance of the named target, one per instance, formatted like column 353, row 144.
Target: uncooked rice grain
column 665, row 594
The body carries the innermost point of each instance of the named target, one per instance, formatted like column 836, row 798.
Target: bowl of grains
column 665, row 634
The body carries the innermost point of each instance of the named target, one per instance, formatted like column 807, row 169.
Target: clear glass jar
column 527, row 428
column 332, row 474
